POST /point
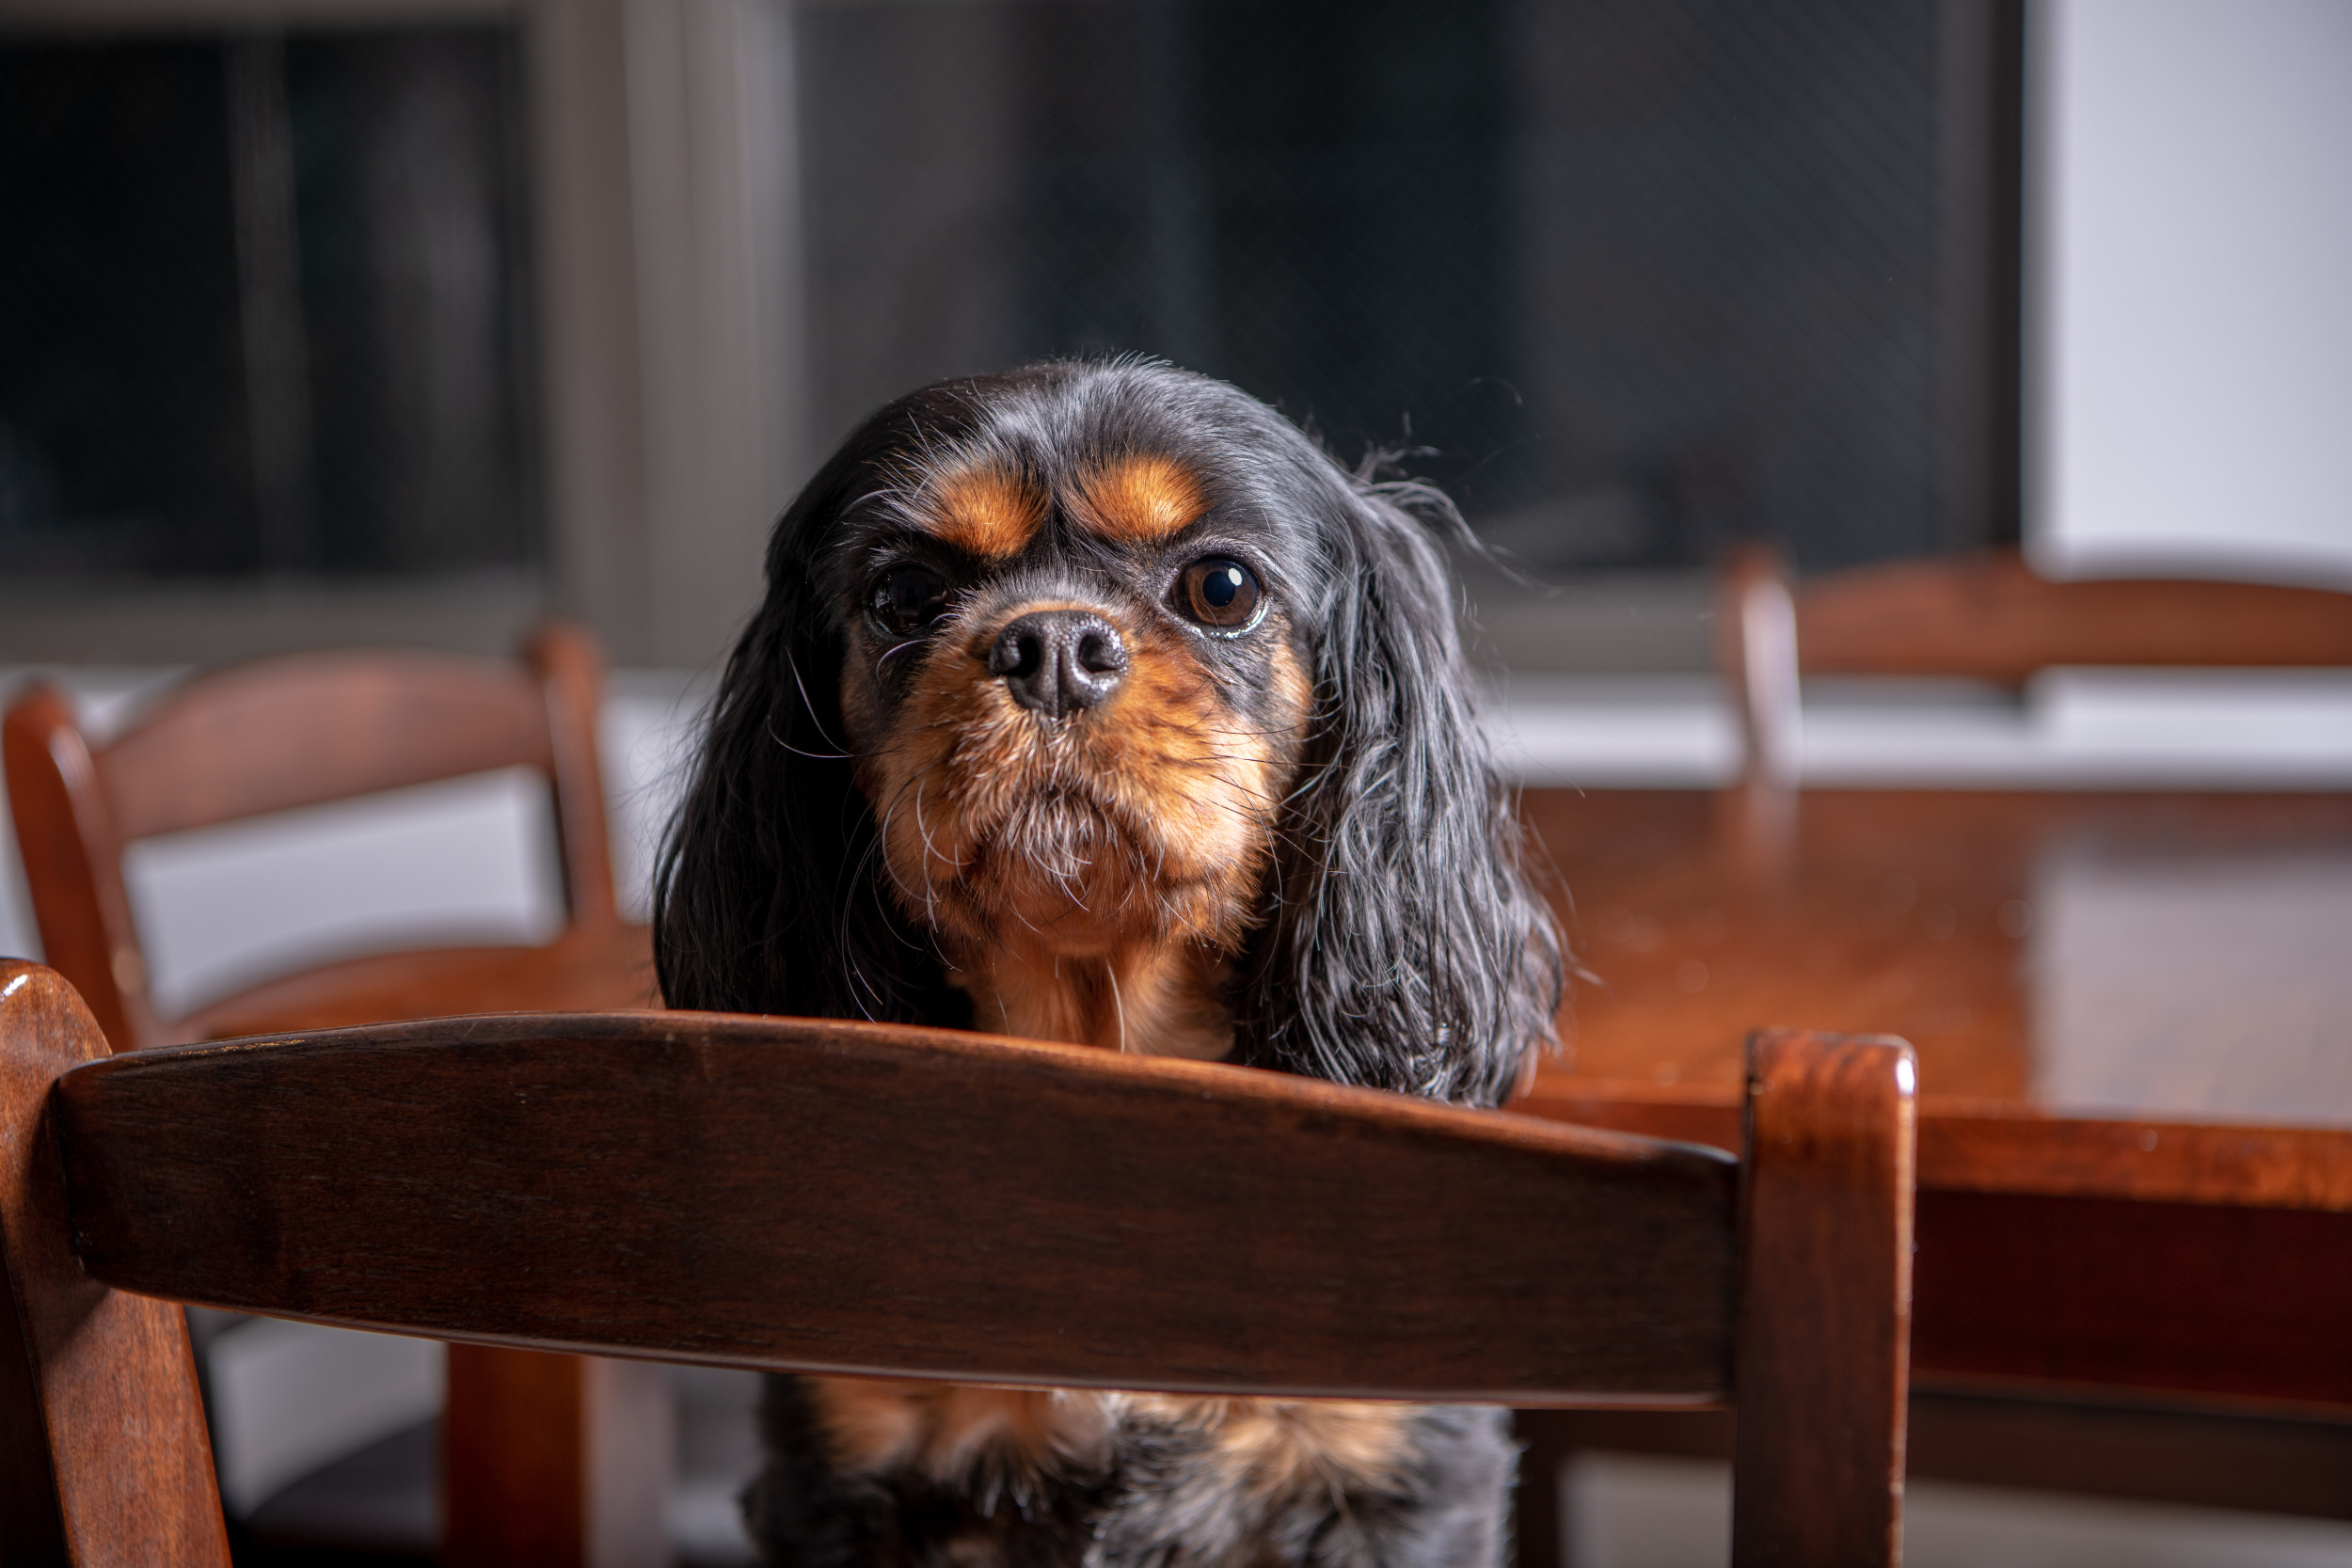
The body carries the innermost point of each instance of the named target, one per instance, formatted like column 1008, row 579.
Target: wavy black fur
column 1403, row 946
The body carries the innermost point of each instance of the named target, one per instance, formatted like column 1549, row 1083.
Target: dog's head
column 1087, row 659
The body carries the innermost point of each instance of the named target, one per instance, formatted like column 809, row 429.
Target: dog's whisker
column 818, row 757
column 809, row 706
column 891, row 653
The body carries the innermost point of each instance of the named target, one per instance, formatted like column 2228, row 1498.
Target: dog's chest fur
column 904, row 1475
column 1155, row 1000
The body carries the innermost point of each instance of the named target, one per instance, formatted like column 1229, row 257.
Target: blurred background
column 427, row 316
column 415, row 321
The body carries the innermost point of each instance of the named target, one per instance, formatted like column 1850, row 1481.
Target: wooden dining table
column 2133, row 1013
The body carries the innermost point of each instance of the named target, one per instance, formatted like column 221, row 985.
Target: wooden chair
column 703, row 1187
column 306, row 729
column 299, row 731
column 1989, row 618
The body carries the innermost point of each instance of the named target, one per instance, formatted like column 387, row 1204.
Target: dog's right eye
column 1220, row 593
column 907, row 599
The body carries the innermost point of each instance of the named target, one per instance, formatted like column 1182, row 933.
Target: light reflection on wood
column 2174, row 956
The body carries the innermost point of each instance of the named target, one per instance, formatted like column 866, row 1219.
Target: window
column 265, row 309
column 1636, row 279
column 318, row 346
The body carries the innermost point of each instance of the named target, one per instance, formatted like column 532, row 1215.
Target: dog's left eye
column 907, row 599
column 1219, row 590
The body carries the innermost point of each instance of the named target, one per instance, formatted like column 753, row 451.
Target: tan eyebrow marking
column 986, row 511
column 1140, row 500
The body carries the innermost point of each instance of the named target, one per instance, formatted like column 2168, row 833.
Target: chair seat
column 602, row 968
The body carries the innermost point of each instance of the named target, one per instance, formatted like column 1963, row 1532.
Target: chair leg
column 554, row 1461
column 1824, row 1353
column 1536, row 1517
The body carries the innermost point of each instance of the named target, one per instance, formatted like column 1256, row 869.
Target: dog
column 1095, row 702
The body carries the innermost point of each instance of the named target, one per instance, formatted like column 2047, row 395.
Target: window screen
column 1631, row 277
column 262, row 305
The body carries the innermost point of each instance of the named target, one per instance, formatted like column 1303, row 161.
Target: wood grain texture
column 852, row 1198
column 104, row 1462
column 1988, row 616
column 1824, row 1331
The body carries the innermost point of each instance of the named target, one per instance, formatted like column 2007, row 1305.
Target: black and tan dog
column 1095, row 702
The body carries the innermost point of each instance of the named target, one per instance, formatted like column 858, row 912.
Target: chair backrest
column 845, row 1198
column 1989, row 618
column 274, row 735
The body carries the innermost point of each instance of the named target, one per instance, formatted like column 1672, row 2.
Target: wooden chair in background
column 1988, row 617
column 306, row 729
column 300, row 731
column 702, row 1187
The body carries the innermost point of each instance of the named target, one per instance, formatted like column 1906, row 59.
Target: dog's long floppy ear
column 1407, row 949
column 766, row 896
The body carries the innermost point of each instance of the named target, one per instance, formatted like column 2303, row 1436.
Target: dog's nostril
column 1019, row 651
column 1100, row 652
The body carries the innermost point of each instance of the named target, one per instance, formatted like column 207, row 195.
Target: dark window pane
column 1642, row 275
column 122, row 427
column 263, row 306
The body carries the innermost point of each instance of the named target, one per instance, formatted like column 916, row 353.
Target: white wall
column 2189, row 288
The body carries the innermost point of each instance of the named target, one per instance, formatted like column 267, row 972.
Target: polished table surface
column 2134, row 1020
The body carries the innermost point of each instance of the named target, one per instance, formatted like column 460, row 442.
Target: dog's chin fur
column 1279, row 842
column 996, row 830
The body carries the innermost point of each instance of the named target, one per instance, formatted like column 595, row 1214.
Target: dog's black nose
column 1057, row 661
